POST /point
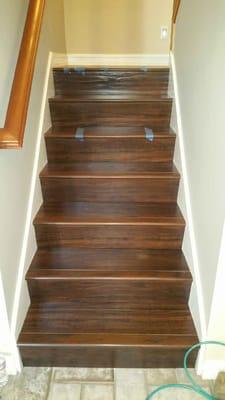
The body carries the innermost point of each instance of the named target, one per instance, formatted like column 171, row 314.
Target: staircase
column 109, row 284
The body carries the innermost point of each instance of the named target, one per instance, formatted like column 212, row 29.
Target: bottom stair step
column 61, row 335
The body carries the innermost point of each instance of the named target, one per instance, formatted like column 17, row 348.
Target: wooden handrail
column 176, row 6
column 11, row 136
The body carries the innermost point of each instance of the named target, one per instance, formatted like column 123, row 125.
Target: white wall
column 16, row 166
column 184, row 202
column 214, row 356
column 200, row 63
column 117, row 27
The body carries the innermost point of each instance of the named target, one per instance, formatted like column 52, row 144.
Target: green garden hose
column 194, row 387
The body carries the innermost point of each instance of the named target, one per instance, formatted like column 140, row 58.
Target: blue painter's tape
column 79, row 135
column 149, row 134
column 80, row 70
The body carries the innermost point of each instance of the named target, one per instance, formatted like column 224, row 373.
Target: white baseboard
column 59, row 59
column 112, row 59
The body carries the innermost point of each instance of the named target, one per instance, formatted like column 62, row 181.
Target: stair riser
column 68, row 82
column 109, row 190
column 155, row 114
column 112, row 294
column 111, row 236
column 105, row 356
column 130, row 149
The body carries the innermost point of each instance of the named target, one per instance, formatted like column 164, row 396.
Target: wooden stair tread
column 61, row 335
column 52, row 274
column 107, row 132
column 55, row 319
column 103, row 340
column 54, row 264
column 129, row 97
column 81, row 213
column 110, row 170
column 109, row 259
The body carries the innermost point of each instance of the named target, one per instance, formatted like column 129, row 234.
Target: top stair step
column 105, row 81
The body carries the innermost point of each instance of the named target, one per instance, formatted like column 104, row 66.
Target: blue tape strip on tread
column 80, row 70
column 66, row 70
column 149, row 134
column 79, row 135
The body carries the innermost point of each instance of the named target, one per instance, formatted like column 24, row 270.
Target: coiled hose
column 193, row 387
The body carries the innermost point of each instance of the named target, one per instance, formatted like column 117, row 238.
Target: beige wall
column 200, row 63
column 16, row 165
column 117, row 27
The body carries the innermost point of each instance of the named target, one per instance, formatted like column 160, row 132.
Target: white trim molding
column 59, row 59
column 112, row 60
column 21, row 304
column 198, row 310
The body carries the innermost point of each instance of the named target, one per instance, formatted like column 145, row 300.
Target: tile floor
column 96, row 384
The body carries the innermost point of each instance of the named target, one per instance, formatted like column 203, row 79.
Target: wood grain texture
column 11, row 136
column 110, row 214
column 54, row 317
column 110, row 225
column 147, row 236
column 113, row 260
column 70, row 80
column 136, row 111
column 116, row 338
column 119, row 291
column 110, row 356
column 105, row 144
column 104, row 131
column 113, row 182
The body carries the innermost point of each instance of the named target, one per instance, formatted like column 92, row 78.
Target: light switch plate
column 219, row 387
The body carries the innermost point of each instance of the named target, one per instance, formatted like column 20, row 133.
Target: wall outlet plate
column 219, row 387
column 164, row 32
